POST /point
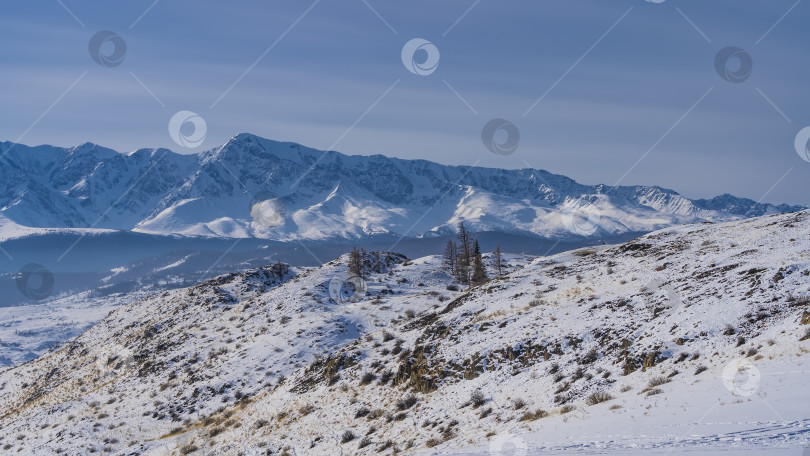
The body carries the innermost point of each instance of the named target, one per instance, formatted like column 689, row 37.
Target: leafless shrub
column 536, row 415
column 188, row 448
column 406, row 403
column 386, row 377
column 367, row 378
column 590, row 357
column 477, row 398
column 374, row 414
column 578, row 374
column 567, row 409
column 432, row 443
column 597, row 398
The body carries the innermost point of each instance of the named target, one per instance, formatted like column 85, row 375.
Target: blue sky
column 623, row 79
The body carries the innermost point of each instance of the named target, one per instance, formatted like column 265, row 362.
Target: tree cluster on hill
column 463, row 258
column 362, row 263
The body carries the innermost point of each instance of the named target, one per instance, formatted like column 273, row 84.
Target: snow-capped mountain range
column 254, row 187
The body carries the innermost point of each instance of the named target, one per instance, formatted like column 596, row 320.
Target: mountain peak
column 89, row 148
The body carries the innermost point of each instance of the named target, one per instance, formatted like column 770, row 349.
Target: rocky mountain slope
column 619, row 349
column 254, row 187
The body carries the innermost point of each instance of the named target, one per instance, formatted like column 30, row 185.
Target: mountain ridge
column 260, row 188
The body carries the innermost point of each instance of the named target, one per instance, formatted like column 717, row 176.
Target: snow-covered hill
column 692, row 337
column 254, row 187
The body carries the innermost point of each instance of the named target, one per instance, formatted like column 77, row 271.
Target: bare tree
column 356, row 262
column 450, row 257
column 376, row 261
column 464, row 258
column 498, row 260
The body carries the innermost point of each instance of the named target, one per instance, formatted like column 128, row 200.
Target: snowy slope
column 694, row 332
column 254, row 187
